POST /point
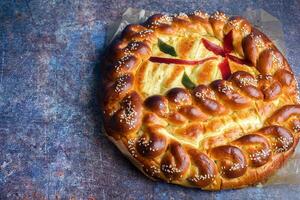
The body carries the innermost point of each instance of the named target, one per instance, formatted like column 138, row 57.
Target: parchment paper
column 272, row 27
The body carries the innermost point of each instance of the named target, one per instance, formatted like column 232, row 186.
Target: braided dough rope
column 200, row 137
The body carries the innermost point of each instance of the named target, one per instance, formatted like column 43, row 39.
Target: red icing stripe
column 228, row 46
column 238, row 60
column 225, row 69
column 213, row 47
column 179, row 61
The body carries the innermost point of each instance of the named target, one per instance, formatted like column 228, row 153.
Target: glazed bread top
column 201, row 101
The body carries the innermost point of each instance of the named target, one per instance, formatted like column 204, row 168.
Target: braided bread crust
column 220, row 134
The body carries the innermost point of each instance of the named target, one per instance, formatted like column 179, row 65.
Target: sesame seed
column 127, row 52
column 276, row 60
column 244, row 30
column 286, row 142
column 260, row 77
column 165, row 19
column 244, row 81
column 298, row 96
column 219, row 16
column 296, row 128
column 225, row 88
column 181, row 15
column 204, row 177
column 131, row 147
column 235, row 24
column 132, row 47
column 237, row 166
column 259, row 155
column 121, row 83
column 154, row 170
column 146, row 144
column 268, row 77
column 121, row 62
column 200, row 95
column 145, row 33
column 112, row 112
column 258, row 41
column 129, row 115
column 205, row 94
column 170, row 169
column 201, row 14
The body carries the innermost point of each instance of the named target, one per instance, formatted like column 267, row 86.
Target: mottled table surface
column 51, row 145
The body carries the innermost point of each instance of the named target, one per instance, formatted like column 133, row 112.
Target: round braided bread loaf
column 234, row 127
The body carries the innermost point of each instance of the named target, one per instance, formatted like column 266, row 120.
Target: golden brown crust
column 227, row 134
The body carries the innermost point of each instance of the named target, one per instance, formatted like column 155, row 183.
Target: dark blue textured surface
column 50, row 139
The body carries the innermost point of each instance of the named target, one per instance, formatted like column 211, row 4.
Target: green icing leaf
column 187, row 82
column 168, row 49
